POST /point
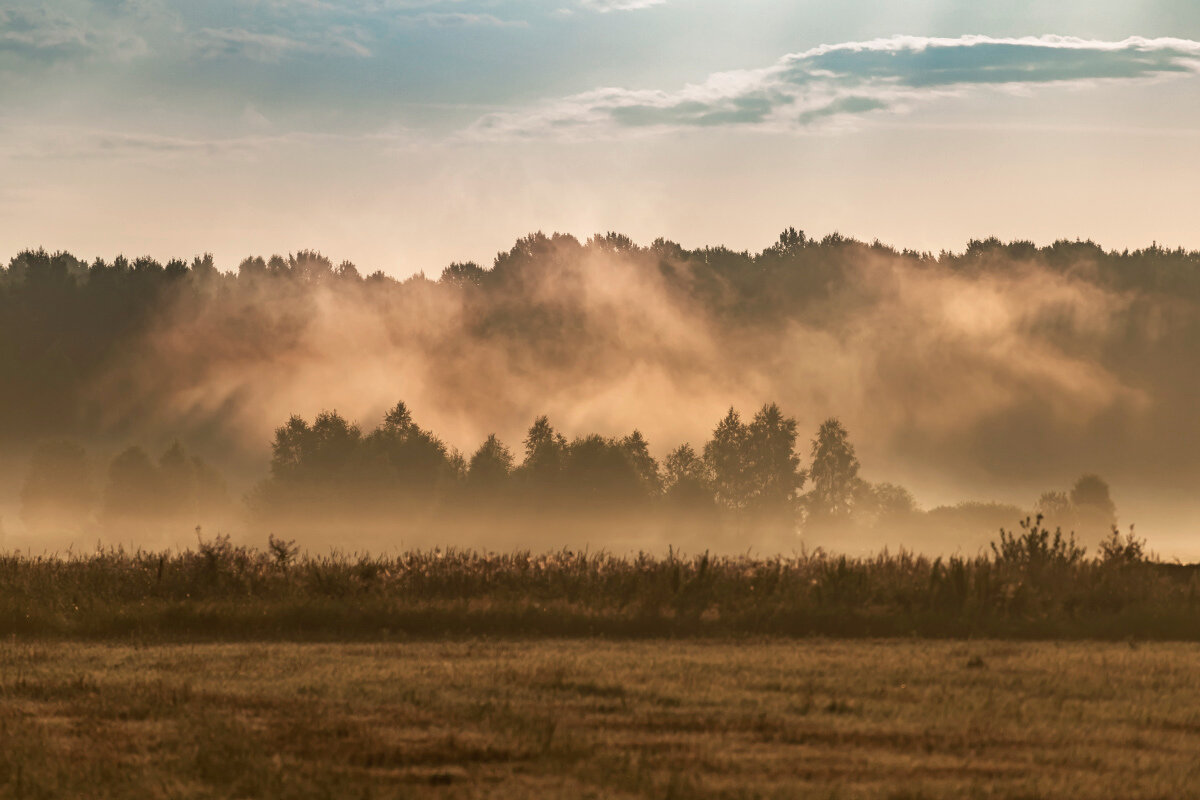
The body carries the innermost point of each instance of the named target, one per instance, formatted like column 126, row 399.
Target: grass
column 1031, row 586
column 591, row 718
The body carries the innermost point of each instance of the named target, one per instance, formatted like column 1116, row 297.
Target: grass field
column 601, row 718
column 1030, row 587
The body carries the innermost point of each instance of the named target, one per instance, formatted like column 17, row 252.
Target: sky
column 406, row 134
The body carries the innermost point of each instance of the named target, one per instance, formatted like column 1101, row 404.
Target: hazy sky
column 405, row 134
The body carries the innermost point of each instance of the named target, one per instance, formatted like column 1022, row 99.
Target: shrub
column 1036, row 547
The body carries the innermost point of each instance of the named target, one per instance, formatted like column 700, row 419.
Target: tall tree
column 725, row 456
column 686, row 478
column 834, row 473
column 133, row 493
column 772, row 464
column 637, row 451
column 59, row 491
column 490, row 467
column 544, row 451
column 1091, row 498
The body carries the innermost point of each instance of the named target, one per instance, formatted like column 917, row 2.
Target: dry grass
column 1024, row 590
column 592, row 718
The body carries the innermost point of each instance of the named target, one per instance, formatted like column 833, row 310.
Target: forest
column 68, row 326
column 141, row 395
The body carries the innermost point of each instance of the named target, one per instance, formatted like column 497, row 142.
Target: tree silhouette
column 544, row 454
column 772, row 465
column 1057, row 510
column 133, row 493
column 419, row 462
column 1093, row 502
column 889, row 501
column 322, row 452
column 180, row 490
column 725, row 457
column 190, row 487
column 686, row 479
column 637, row 452
column 59, row 490
column 490, row 467
column 754, row 468
column 488, row 480
column 834, row 474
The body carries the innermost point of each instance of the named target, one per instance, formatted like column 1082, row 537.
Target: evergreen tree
column 834, row 474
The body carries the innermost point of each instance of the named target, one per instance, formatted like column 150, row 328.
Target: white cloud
column 443, row 19
column 849, row 80
column 403, row 12
column 43, row 34
column 269, row 47
column 605, row 6
column 59, row 142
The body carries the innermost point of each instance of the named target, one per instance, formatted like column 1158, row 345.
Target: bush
column 1119, row 550
column 1035, row 548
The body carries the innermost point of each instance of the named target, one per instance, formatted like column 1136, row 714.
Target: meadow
column 1032, row 585
column 590, row 718
column 229, row 671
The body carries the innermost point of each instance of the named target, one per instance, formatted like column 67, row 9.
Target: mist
column 992, row 375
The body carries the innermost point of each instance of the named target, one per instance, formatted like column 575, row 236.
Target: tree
column 490, row 467
column 1091, row 498
column 463, row 274
column 58, row 492
column 754, row 468
column 544, row 450
column 180, row 487
column 329, row 447
column 189, row 485
column 331, row 466
column 772, row 465
column 409, row 460
column 834, row 474
column 725, row 457
column 1057, row 510
column 598, row 472
column 887, row 501
column 1087, row 509
column 252, row 268
column 686, row 478
column 289, row 448
column 133, row 493
column 637, row 452
column 791, row 242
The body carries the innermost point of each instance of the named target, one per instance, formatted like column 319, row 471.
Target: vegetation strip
column 1033, row 584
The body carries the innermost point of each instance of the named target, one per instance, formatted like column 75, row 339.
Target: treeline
column 750, row 468
column 752, row 475
column 66, row 324
column 136, row 494
column 753, row 482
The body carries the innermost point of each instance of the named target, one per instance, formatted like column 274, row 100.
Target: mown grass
column 1030, row 587
column 588, row 718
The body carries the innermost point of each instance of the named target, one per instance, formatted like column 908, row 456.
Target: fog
column 993, row 375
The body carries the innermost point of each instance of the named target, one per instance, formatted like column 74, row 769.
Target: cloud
column 444, row 19
column 271, row 47
column 605, row 6
column 384, row 12
column 58, row 142
column 42, row 35
column 849, row 80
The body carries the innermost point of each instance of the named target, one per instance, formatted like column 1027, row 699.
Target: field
column 899, row 718
column 1032, row 587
